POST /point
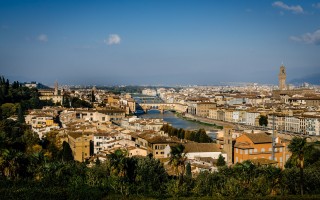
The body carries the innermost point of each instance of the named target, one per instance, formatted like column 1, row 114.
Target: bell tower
column 282, row 78
column 56, row 88
column 227, row 144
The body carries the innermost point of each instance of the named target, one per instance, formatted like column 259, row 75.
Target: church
column 51, row 94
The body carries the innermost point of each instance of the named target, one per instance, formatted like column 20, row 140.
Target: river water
column 177, row 122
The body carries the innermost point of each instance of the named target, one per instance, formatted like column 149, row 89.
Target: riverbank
column 218, row 127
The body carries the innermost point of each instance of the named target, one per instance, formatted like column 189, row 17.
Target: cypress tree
column 21, row 114
column 188, row 171
column 221, row 161
column 66, row 152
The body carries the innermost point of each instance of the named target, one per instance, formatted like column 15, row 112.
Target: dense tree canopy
column 197, row 136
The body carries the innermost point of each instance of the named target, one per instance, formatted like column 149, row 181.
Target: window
column 236, row 150
column 280, row 149
column 240, row 151
column 250, row 151
column 255, row 150
column 246, row 151
column 280, row 159
column 270, row 149
column 263, row 150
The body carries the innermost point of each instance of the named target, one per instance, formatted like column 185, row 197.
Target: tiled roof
column 201, row 147
column 259, row 138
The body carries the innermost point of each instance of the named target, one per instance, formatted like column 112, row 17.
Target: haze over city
column 159, row 42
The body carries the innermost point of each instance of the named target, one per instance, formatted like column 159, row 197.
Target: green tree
column 20, row 114
column 8, row 109
column 298, row 147
column 188, row 170
column 151, row 177
column 263, row 120
column 177, row 161
column 221, row 161
column 66, row 152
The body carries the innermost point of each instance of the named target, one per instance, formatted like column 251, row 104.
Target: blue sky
column 158, row 41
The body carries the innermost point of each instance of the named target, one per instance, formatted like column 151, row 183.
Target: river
column 177, row 122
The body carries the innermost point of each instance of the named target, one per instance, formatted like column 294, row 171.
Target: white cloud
column 316, row 5
column 113, row 39
column 295, row 9
column 43, row 38
column 308, row 38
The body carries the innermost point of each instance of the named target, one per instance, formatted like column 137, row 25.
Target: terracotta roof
column 259, row 138
column 201, row 147
column 243, row 145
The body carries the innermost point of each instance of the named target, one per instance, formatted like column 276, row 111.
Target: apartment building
column 253, row 146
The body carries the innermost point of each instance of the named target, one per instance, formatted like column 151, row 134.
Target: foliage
column 197, row 136
column 263, row 120
column 298, row 147
column 75, row 102
column 66, row 152
column 188, row 170
column 221, row 161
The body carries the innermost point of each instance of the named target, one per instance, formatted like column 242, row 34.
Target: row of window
column 245, row 151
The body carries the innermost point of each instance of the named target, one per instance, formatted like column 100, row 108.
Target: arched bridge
column 157, row 106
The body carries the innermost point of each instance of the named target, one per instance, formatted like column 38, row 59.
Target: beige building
column 202, row 108
column 51, row 94
column 80, row 145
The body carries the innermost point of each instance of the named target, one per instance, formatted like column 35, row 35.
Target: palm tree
column 298, row 147
column 177, row 160
column 118, row 162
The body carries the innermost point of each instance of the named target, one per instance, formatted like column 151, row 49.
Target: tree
column 66, row 152
column 263, row 120
column 188, row 170
column 221, row 161
column 20, row 114
column 298, row 147
column 8, row 109
column 177, row 161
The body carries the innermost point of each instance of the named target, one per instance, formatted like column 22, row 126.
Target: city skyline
column 159, row 42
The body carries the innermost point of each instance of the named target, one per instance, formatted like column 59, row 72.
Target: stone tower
column 227, row 144
column 282, row 78
column 56, row 88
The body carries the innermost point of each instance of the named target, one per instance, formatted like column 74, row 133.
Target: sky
column 159, row 42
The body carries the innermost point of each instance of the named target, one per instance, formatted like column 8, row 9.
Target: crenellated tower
column 282, row 78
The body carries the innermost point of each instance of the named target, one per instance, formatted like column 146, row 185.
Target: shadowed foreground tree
column 177, row 161
column 66, row 152
column 298, row 147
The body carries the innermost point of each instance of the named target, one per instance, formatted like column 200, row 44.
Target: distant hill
column 312, row 79
column 41, row 86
